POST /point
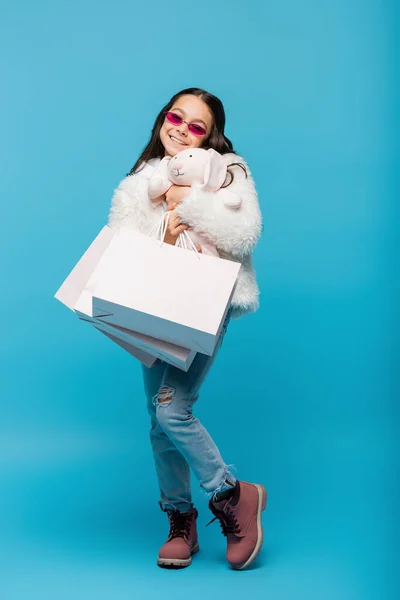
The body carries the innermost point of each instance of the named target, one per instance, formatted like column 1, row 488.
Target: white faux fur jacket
column 234, row 232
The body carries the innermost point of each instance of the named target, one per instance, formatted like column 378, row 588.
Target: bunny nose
column 178, row 165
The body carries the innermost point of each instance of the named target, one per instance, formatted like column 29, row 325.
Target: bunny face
column 188, row 166
column 207, row 167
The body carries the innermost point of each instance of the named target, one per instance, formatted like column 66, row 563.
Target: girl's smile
column 179, row 142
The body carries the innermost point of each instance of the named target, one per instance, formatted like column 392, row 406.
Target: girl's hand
column 176, row 194
column 175, row 226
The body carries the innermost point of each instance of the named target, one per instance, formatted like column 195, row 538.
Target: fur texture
column 234, row 232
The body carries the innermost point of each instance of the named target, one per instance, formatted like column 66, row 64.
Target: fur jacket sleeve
column 131, row 206
column 234, row 231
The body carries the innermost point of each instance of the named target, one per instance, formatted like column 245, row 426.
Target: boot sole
column 262, row 503
column 178, row 563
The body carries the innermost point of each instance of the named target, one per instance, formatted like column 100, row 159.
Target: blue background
column 302, row 395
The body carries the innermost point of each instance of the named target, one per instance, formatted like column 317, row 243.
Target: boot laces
column 227, row 520
column 180, row 524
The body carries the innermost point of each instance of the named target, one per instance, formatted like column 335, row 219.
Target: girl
column 195, row 118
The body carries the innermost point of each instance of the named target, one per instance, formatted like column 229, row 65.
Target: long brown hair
column 216, row 140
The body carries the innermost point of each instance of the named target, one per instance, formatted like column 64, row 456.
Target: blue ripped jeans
column 179, row 441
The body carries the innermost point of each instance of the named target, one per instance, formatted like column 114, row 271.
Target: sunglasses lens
column 197, row 129
column 174, row 118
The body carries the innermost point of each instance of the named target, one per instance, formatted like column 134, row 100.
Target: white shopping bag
column 151, row 347
column 162, row 291
column 144, row 357
column 144, row 348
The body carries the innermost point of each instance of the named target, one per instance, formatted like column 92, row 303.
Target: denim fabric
column 179, row 441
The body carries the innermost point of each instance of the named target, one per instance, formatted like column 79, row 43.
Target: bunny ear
column 215, row 171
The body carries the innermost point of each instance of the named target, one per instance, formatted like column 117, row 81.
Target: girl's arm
column 133, row 208
column 131, row 205
column 235, row 231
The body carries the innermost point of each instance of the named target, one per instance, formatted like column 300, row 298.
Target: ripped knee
column 164, row 396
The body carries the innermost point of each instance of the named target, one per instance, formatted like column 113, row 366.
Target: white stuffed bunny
column 204, row 169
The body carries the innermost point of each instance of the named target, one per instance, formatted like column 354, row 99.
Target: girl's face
column 193, row 110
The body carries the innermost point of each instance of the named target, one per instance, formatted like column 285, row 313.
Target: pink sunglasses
column 177, row 120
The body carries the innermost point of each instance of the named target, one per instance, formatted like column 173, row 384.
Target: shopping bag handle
column 159, row 231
